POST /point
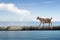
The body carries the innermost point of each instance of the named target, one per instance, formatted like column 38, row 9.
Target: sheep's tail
column 51, row 17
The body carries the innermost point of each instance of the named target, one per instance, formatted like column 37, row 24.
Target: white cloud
column 12, row 8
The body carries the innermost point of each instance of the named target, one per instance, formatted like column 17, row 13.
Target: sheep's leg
column 51, row 25
column 39, row 24
column 43, row 24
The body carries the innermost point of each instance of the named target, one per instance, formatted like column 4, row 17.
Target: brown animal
column 45, row 20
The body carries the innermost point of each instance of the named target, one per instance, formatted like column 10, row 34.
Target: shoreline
column 28, row 28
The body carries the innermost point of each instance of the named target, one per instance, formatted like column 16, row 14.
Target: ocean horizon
column 56, row 23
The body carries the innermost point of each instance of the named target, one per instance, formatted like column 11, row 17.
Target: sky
column 28, row 10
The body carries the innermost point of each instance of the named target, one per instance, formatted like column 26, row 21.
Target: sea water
column 29, row 35
column 27, row 24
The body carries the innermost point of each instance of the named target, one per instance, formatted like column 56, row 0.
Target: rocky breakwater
column 20, row 28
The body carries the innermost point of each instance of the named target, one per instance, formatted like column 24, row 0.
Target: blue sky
column 28, row 10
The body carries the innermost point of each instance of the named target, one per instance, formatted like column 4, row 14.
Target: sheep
column 45, row 20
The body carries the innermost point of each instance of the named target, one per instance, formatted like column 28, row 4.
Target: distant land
column 27, row 23
column 23, row 28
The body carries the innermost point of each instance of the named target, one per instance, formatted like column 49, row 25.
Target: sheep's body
column 45, row 20
column 42, row 20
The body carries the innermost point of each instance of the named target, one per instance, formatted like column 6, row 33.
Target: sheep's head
column 37, row 17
